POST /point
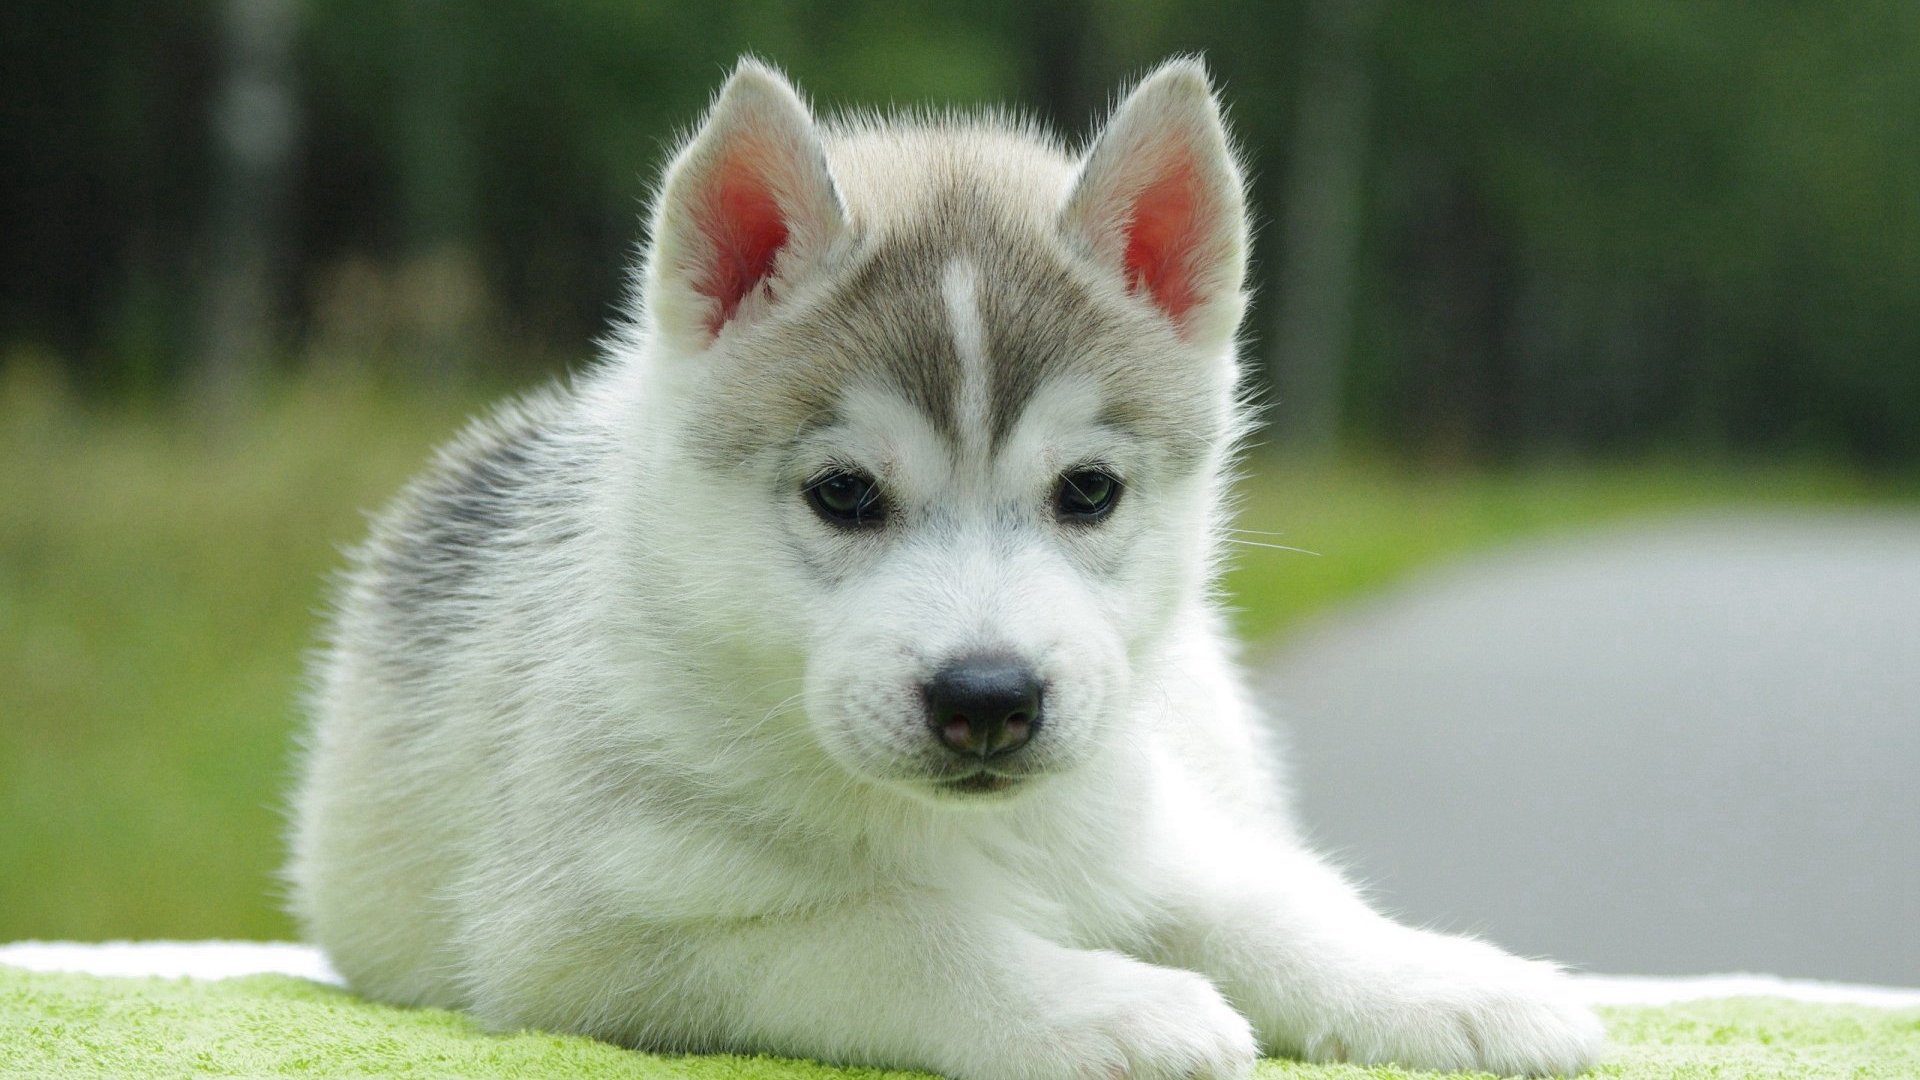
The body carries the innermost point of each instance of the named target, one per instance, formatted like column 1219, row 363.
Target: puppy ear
column 1159, row 200
column 746, row 209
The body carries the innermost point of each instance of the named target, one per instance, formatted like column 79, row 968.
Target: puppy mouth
column 982, row 782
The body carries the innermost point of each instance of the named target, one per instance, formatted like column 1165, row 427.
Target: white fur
column 958, row 287
column 631, row 742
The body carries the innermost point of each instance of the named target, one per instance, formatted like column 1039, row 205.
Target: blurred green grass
column 160, row 578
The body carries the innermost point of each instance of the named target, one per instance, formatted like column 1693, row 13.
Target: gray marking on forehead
column 1040, row 322
column 897, row 297
column 883, row 322
column 888, row 321
column 1046, row 315
column 1034, row 315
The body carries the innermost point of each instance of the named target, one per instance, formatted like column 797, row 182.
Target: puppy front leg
column 1324, row 977
column 909, row 981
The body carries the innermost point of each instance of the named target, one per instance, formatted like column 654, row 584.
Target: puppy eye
column 846, row 498
column 1086, row 495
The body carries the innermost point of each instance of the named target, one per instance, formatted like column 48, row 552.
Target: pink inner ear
column 1161, row 238
column 744, row 225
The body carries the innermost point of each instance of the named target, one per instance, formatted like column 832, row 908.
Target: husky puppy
column 835, row 670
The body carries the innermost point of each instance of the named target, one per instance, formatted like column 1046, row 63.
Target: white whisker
column 1263, row 544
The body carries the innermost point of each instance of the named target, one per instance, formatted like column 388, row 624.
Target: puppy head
column 958, row 405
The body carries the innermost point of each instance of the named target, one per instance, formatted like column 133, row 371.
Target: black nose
column 983, row 706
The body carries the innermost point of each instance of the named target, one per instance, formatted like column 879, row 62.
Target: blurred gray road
column 1684, row 747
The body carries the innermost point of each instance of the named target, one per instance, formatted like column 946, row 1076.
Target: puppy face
column 982, row 585
column 971, row 434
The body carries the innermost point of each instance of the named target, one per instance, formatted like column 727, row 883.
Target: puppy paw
column 1123, row 1020
column 1455, row 1004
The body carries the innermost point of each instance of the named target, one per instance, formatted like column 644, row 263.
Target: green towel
column 65, row 1025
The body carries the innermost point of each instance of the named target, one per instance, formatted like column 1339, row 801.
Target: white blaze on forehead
column 959, row 285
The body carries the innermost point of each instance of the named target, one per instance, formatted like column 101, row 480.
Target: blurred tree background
column 1521, row 266
column 1493, row 230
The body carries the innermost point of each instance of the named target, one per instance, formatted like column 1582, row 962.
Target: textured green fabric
column 60, row 1025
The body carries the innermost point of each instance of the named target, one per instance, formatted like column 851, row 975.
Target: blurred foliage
column 160, row 582
column 1692, row 227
